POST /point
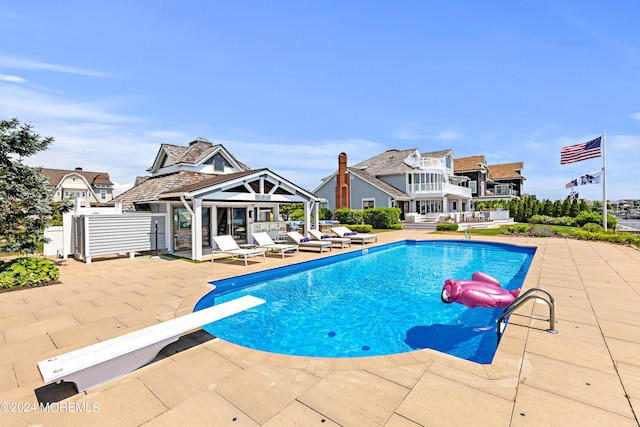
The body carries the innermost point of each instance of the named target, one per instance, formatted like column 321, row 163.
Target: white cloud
column 409, row 135
column 448, row 135
column 27, row 64
column 28, row 104
column 635, row 116
column 12, row 79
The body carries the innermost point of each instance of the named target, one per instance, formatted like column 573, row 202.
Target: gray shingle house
column 415, row 182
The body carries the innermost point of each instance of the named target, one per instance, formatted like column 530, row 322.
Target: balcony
column 439, row 189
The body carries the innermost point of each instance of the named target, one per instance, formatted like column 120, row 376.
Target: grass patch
column 548, row 230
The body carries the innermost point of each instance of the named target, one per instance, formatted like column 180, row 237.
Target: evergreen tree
column 566, row 207
column 584, row 206
column 557, row 208
column 25, row 200
column 547, row 208
column 575, row 208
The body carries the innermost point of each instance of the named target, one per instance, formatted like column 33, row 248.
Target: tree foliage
column 25, row 200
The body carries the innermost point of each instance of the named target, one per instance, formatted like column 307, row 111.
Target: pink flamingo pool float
column 482, row 290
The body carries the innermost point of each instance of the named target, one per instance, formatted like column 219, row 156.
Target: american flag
column 580, row 152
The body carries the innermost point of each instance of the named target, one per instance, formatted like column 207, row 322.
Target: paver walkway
column 588, row 374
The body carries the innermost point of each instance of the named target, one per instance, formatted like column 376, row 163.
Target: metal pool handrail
column 529, row 295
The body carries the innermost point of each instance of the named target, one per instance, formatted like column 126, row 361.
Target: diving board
column 98, row 363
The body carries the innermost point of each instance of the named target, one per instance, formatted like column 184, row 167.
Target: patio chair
column 305, row 242
column 318, row 235
column 354, row 235
column 227, row 245
column 263, row 241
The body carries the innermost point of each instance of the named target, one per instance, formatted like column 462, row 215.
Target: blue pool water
column 380, row 300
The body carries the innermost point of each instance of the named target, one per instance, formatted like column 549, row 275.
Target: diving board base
column 101, row 362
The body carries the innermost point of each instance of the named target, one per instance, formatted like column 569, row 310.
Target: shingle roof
column 195, row 152
column 464, row 164
column 151, row 188
column 506, row 170
column 390, row 161
column 212, row 180
column 389, row 189
column 54, row 176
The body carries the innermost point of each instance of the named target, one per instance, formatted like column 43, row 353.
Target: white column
column 196, row 230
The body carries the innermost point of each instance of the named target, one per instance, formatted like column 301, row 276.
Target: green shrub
column 549, row 220
column 593, row 228
column 381, row 218
column 348, row 216
column 297, row 215
column 619, row 238
column 396, row 226
column 447, row 226
column 27, row 272
column 360, row 228
column 324, row 214
column 516, row 229
column 585, row 217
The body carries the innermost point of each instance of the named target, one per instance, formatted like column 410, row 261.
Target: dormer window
column 73, row 179
column 218, row 162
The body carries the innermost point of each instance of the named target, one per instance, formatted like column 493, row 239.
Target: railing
column 529, row 295
column 504, row 191
column 439, row 188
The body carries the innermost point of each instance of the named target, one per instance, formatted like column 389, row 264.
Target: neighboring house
column 94, row 187
column 507, row 179
column 415, row 182
column 491, row 182
column 206, row 191
column 475, row 168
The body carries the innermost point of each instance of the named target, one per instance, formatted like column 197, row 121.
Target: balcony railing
column 439, row 189
column 504, row 191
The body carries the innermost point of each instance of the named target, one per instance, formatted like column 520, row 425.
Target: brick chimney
column 342, row 183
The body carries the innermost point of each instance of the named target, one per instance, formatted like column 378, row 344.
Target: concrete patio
column 587, row 375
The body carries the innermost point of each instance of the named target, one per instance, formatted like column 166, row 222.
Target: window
column 103, row 194
column 473, row 185
column 368, row 203
column 218, row 162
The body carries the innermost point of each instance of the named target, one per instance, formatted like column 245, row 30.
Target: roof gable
column 56, row 176
column 468, row 164
column 506, row 171
column 200, row 151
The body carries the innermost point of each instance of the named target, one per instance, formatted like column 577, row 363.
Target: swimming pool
column 379, row 300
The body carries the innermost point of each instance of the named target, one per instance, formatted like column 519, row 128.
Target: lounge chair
column 305, row 242
column 318, row 235
column 227, row 245
column 355, row 236
column 263, row 241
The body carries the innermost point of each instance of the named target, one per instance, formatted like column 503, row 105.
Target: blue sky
column 288, row 85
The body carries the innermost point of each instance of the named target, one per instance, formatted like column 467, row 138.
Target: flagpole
column 604, row 180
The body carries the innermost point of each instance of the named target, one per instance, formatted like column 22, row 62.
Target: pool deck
column 586, row 375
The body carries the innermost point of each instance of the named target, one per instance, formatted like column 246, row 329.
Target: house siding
column 398, row 181
column 328, row 191
column 363, row 190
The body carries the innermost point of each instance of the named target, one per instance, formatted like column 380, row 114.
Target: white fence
column 96, row 235
column 95, row 231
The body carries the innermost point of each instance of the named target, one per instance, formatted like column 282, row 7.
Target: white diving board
column 98, row 363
